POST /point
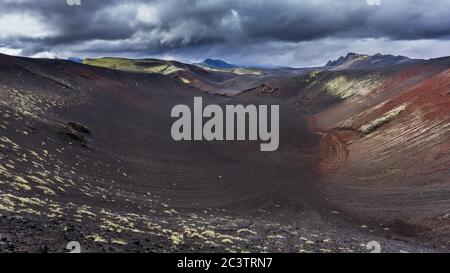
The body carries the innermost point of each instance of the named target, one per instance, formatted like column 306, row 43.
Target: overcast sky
column 276, row 32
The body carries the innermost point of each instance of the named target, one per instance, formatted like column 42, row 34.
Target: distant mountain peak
column 75, row 59
column 217, row 63
column 362, row 61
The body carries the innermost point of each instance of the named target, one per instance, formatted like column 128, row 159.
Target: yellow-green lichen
column 377, row 123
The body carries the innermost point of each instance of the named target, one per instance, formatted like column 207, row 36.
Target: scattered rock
column 74, row 132
column 79, row 127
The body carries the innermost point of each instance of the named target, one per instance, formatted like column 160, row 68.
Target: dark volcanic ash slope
column 384, row 141
column 86, row 155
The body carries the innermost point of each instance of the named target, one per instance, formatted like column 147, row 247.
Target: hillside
column 383, row 133
column 208, row 79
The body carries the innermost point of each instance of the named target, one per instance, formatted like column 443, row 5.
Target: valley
column 86, row 155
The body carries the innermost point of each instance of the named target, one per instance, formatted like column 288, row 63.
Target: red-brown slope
column 385, row 155
column 385, row 135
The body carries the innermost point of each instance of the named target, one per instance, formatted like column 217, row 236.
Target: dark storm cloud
column 72, row 23
column 152, row 27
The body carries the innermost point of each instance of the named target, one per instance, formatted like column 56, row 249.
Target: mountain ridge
column 365, row 61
